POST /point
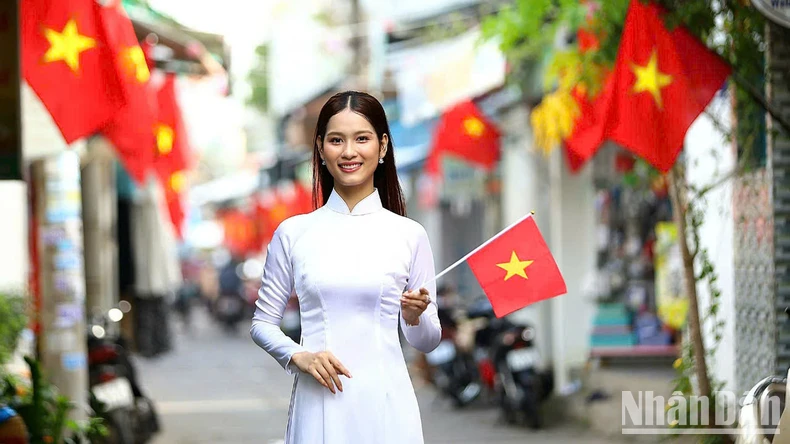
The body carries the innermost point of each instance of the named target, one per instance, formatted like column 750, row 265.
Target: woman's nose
column 349, row 151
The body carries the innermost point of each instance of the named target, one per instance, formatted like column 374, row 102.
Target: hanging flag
column 172, row 157
column 67, row 62
column 464, row 132
column 172, row 144
column 661, row 82
column 515, row 268
column 588, row 130
column 131, row 131
column 587, row 133
column 174, row 187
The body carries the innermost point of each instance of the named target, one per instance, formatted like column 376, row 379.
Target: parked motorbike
column 521, row 383
column 454, row 372
column 239, row 283
column 115, row 391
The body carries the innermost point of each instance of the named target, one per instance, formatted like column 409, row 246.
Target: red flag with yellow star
column 464, row 132
column 67, row 62
column 662, row 81
column 131, row 131
column 172, row 156
column 516, row 269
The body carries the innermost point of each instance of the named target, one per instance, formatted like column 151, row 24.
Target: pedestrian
column 360, row 269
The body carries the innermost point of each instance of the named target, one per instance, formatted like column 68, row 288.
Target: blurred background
column 129, row 272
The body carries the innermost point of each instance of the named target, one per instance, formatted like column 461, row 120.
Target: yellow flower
column 678, row 362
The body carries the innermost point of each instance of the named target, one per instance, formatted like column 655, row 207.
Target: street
column 218, row 388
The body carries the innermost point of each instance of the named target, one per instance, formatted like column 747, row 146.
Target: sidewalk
column 222, row 389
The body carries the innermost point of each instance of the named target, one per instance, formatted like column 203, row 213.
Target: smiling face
column 351, row 150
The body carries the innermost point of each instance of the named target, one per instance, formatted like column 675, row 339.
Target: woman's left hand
column 413, row 303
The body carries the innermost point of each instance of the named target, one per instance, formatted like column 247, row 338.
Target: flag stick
column 463, row 259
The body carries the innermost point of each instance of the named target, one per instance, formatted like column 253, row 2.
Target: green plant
column 45, row 411
column 14, row 319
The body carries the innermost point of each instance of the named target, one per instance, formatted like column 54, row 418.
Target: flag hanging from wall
column 67, row 61
column 131, row 131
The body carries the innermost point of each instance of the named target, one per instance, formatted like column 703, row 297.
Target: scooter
column 454, row 372
column 115, row 391
column 522, row 385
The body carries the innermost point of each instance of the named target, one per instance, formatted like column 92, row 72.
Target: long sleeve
column 425, row 336
column 277, row 284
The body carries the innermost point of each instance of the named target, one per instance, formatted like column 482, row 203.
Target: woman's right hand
column 323, row 366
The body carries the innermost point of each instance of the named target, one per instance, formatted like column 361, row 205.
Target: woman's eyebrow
column 329, row 133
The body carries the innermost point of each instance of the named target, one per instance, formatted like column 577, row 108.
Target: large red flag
column 463, row 131
column 516, row 268
column 131, row 131
column 66, row 60
column 661, row 83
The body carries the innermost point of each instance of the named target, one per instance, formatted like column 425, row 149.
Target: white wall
column 577, row 261
column 40, row 138
column 711, row 156
column 525, row 189
column 13, row 235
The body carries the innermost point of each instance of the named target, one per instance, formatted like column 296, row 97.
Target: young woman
column 360, row 268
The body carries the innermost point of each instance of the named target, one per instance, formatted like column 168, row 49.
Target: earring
column 323, row 162
column 381, row 160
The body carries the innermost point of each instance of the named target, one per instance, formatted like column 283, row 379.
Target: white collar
column 370, row 204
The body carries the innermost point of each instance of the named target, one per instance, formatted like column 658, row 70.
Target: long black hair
column 385, row 178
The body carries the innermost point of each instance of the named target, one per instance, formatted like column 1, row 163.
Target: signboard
column 10, row 101
column 433, row 77
column 671, row 298
column 777, row 11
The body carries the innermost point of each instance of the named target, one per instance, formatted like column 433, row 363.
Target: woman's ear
column 319, row 145
column 384, row 144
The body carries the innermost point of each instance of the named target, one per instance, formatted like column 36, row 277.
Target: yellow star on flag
column 650, row 79
column 67, row 45
column 177, row 181
column 515, row 267
column 474, row 127
column 164, row 139
column 133, row 61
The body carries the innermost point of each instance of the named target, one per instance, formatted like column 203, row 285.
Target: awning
column 179, row 48
column 412, row 143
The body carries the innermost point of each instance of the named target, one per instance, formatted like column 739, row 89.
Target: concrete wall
column 710, row 157
column 13, row 235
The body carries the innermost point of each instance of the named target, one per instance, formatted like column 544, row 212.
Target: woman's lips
column 350, row 167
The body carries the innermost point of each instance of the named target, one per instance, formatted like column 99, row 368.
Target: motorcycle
column 454, row 371
column 521, row 384
column 115, row 391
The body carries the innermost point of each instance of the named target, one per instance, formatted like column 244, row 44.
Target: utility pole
column 10, row 97
column 99, row 211
column 358, row 48
column 57, row 212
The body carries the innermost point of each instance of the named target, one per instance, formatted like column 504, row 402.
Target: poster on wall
column 671, row 299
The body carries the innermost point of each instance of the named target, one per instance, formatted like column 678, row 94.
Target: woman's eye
column 334, row 140
column 363, row 138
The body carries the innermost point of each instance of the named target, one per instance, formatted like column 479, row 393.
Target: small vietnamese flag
column 515, row 268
